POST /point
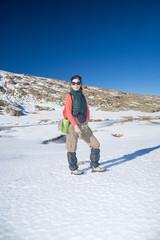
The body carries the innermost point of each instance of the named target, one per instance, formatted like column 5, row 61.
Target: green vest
column 79, row 103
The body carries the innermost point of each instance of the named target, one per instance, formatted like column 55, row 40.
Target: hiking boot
column 77, row 172
column 98, row 169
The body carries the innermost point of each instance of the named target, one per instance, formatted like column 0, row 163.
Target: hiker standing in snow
column 77, row 112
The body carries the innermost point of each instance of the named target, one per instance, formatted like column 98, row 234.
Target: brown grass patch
column 98, row 120
column 95, row 120
column 94, row 131
column 83, row 162
column 117, row 135
column 35, row 113
column 139, row 118
column 127, row 117
column 154, row 122
column 44, row 120
column 144, row 118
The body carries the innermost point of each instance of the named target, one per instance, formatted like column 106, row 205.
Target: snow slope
column 40, row 199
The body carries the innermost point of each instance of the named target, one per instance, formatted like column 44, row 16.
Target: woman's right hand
column 77, row 129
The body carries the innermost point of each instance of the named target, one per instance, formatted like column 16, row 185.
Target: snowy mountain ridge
column 20, row 93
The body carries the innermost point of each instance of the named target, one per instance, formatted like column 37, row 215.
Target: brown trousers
column 87, row 136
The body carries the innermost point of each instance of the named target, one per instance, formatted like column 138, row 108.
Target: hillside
column 22, row 93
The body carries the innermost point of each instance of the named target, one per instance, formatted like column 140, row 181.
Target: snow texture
column 41, row 200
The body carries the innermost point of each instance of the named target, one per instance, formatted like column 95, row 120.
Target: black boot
column 72, row 160
column 95, row 156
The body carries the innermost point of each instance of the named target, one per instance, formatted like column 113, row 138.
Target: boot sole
column 76, row 173
column 93, row 170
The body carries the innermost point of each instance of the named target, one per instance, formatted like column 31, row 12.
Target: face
column 76, row 87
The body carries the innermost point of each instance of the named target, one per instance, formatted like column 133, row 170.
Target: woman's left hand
column 85, row 122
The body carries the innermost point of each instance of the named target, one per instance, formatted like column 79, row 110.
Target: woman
column 77, row 111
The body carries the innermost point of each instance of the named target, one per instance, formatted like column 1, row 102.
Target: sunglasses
column 76, row 83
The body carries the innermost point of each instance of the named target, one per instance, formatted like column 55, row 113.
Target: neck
column 76, row 90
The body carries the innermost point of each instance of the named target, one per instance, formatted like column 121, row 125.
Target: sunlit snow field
column 41, row 200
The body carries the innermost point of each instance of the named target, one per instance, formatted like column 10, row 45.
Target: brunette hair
column 79, row 78
column 76, row 76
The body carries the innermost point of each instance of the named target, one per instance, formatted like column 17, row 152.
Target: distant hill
column 22, row 93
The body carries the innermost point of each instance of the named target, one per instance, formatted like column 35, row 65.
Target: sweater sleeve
column 69, row 110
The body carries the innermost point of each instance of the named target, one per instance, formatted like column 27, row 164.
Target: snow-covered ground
column 41, row 200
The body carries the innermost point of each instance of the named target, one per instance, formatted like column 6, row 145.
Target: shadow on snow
column 126, row 158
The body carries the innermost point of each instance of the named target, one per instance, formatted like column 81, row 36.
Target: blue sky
column 110, row 43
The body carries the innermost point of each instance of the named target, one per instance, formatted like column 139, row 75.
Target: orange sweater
column 67, row 112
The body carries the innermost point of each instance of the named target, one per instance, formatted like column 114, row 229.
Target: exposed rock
column 2, row 90
column 14, row 112
column 42, row 108
column 3, row 103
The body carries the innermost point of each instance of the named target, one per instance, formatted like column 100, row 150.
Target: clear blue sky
column 110, row 43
